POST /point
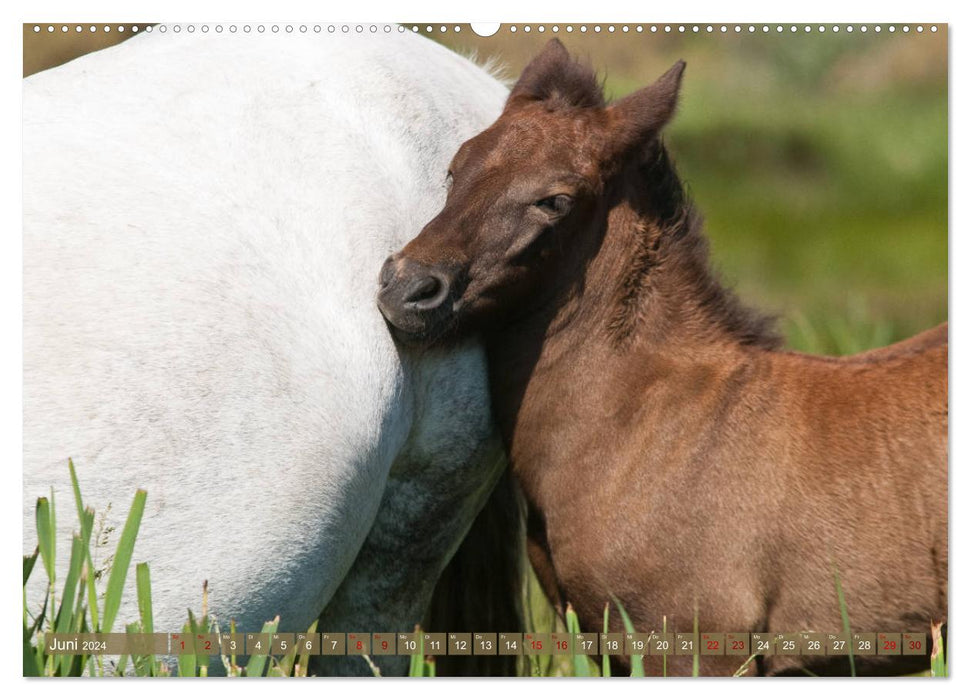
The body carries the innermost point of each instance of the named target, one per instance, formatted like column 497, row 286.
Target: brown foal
column 670, row 453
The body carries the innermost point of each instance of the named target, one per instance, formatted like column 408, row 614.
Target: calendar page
column 435, row 349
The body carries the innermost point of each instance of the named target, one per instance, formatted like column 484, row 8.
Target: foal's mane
column 670, row 261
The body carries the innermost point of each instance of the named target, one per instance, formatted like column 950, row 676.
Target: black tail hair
column 481, row 588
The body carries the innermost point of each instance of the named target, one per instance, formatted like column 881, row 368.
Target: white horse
column 204, row 220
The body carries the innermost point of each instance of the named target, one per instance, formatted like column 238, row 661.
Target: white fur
column 204, row 220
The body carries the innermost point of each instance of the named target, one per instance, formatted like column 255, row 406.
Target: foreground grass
column 78, row 607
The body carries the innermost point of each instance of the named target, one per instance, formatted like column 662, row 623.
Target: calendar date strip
column 492, row 644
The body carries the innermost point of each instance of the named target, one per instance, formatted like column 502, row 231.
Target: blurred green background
column 818, row 159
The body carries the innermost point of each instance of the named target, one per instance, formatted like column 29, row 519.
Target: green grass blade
column 416, row 669
column 87, row 526
column 29, row 561
column 119, row 566
column 143, row 586
column 199, row 627
column 581, row 664
column 86, row 518
column 430, row 667
column 636, row 660
column 31, row 668
column 284, row 665
column 605, row 672
column 143, row 589
column 141, row 663
column 123, row 659
column 846, row 619
column 187, row 662
column 743, row 669
column 375, row 671
column 41, row 617
column 287, row 664
column 232, row 657
column 664, row 657
column 53, row 530
column 938, row 653
column 80, row 612
column 303, row 660
column 45, row 536
column 229, row 661
column 64, row 619
column 696, row 658
column 257, row 662
column 91, row 586
column 76, row 489
column 79, row 627
column 28, row 631
column 44, row 662
column 65, row 614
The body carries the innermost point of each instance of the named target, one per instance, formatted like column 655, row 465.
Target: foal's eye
column 557, row 205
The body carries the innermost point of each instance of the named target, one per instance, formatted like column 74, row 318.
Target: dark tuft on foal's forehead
column 556, row 77
column 575, row 86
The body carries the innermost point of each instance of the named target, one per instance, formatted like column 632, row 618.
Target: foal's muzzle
column 416, row 299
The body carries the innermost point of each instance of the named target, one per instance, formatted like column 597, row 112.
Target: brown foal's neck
column 644, row 300
column 645, row 284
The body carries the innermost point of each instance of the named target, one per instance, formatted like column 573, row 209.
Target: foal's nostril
column 427, row 293
column 426, row 288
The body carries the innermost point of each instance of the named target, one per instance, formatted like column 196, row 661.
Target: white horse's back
column 204, row 221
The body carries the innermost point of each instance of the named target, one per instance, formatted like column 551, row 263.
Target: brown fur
column 669, row 452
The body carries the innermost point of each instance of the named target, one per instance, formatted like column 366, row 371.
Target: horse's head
column 523, row 197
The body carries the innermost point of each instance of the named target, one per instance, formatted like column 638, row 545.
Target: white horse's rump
column 204, row 220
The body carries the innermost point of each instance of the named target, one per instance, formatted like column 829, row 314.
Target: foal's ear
column 637, row 118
